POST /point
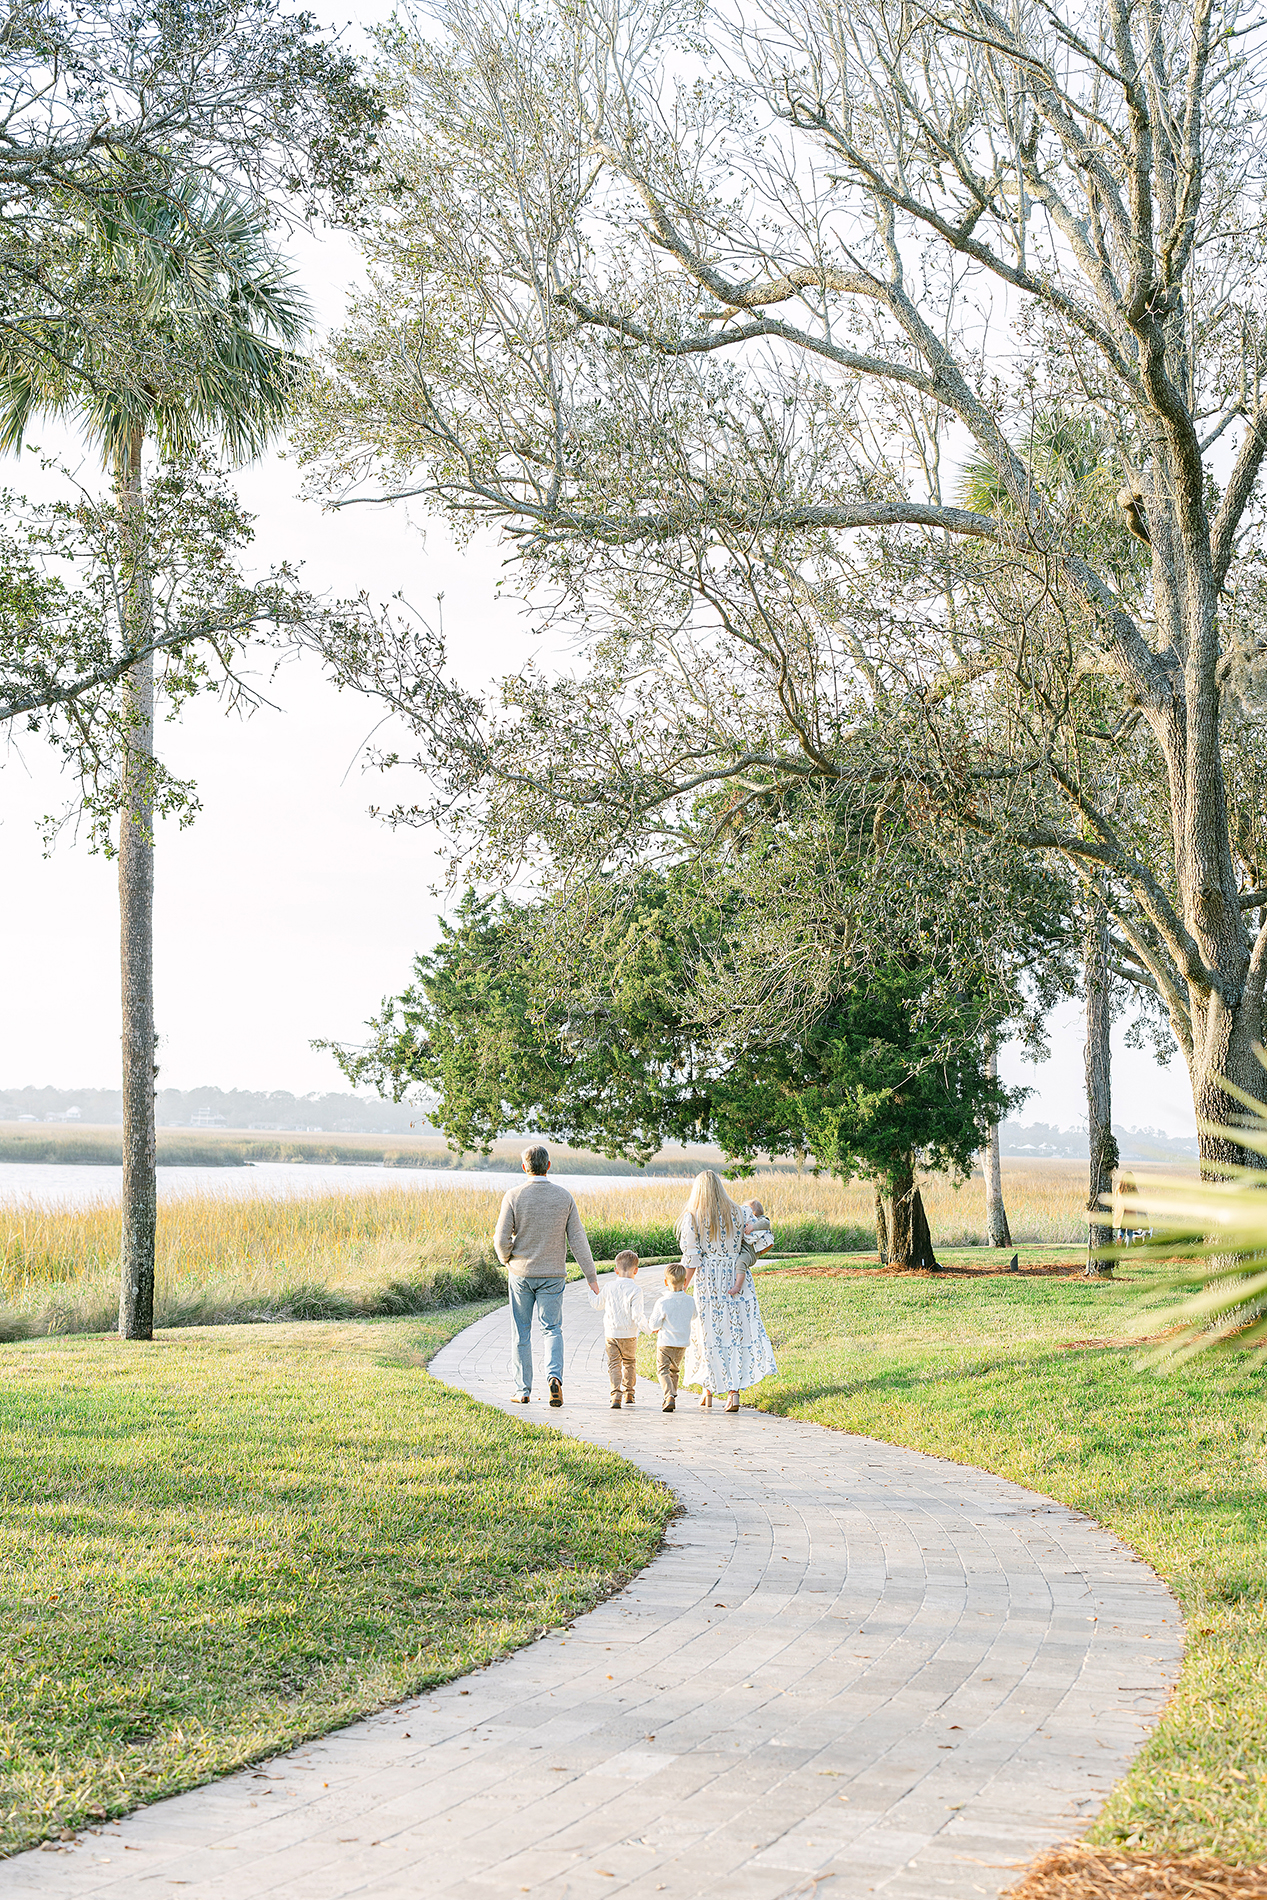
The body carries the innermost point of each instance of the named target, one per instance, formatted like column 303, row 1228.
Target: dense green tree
column 609, row 1057
column 869, row 1087
column 610, row 1046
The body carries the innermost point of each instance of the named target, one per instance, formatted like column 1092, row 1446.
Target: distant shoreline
column 100, row 1145
column 62, row 1144
column 475, row 1164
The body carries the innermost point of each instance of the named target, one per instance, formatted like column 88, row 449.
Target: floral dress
column 729, row 1347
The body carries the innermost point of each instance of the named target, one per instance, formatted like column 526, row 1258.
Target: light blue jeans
column 547, row 1297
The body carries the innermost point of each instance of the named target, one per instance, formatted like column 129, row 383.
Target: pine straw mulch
column 1075, row 1872
column 1033, row 1270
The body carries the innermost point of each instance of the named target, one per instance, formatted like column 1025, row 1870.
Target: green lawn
column 240, row 1536
column 975, row 1370
column 236, row 1537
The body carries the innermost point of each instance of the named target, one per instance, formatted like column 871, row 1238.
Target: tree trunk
column 136, row 916
column 1227, row 966
column 900, row 1209
column 997, row 1231
column 1099, row 1074
column 922, row 1254
column 881, row 1229
column 1225, row 1050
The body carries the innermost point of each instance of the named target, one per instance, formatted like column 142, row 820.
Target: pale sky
column 285, row 911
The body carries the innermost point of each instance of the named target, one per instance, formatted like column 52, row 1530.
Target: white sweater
column 621, row 1301
column 671, row 1317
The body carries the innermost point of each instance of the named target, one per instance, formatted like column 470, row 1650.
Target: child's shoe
column 670, row 1405
column 629, row 1398
column 615, row 1401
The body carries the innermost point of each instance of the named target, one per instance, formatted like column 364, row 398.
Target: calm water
column 50, row 1184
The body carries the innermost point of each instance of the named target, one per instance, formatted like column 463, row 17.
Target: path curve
column 853, row 1670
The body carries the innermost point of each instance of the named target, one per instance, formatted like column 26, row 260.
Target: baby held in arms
column 758, row 1240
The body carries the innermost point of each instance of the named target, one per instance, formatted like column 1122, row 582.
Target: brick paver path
column 853, row 1670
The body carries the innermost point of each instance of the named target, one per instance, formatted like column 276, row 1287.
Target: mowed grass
column 217, row 1544
column 982, row 1371
column 222, row 1261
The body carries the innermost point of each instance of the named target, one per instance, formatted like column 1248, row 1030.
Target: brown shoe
column 670, row 1405
column 629, row 1398
column 615, row 1401
column 556, row 1391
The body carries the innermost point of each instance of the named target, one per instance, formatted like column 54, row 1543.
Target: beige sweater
column 537, row 1223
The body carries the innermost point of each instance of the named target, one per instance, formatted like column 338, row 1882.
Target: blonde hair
column 709, row 1211
column 675, row 1276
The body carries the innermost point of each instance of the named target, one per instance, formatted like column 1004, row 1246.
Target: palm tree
column 203, row 352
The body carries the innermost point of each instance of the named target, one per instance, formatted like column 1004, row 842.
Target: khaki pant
column 622, row 1365
column 668, row 1365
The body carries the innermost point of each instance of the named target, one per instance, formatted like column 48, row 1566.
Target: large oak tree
column 717, row 317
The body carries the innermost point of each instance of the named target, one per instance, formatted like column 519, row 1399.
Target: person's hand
column 737, row 1288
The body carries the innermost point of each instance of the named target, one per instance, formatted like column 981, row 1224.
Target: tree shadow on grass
column 788, row 1396
column 909, row 1383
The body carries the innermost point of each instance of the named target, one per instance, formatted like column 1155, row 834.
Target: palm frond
column 1211, row 1236
column 980, row 487
column 205, row 346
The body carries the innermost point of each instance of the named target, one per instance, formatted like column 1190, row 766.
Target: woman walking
column 729, row 1346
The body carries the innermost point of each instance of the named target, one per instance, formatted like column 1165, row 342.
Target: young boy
column 623, row 1320
column 671, row 1318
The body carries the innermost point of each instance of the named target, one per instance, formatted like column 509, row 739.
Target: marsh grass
column 222, row 1261
column 392, row 1251
column 1038, row 1379
column 217, row 1544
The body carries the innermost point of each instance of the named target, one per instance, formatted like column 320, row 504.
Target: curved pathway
column 853, row 1670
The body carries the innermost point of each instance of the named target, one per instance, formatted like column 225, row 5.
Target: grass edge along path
column 227, row 1542
column 1020, row 1376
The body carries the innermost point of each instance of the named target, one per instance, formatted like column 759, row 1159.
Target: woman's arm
column 692, row 1253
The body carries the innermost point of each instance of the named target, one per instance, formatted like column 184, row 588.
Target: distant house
column 61, row 1115
column 204, row 1118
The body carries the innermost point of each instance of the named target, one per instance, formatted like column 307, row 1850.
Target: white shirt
column 671, row 1316
column 624, row 1316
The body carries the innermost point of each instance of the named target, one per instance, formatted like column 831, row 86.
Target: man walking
column 537, row 1224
